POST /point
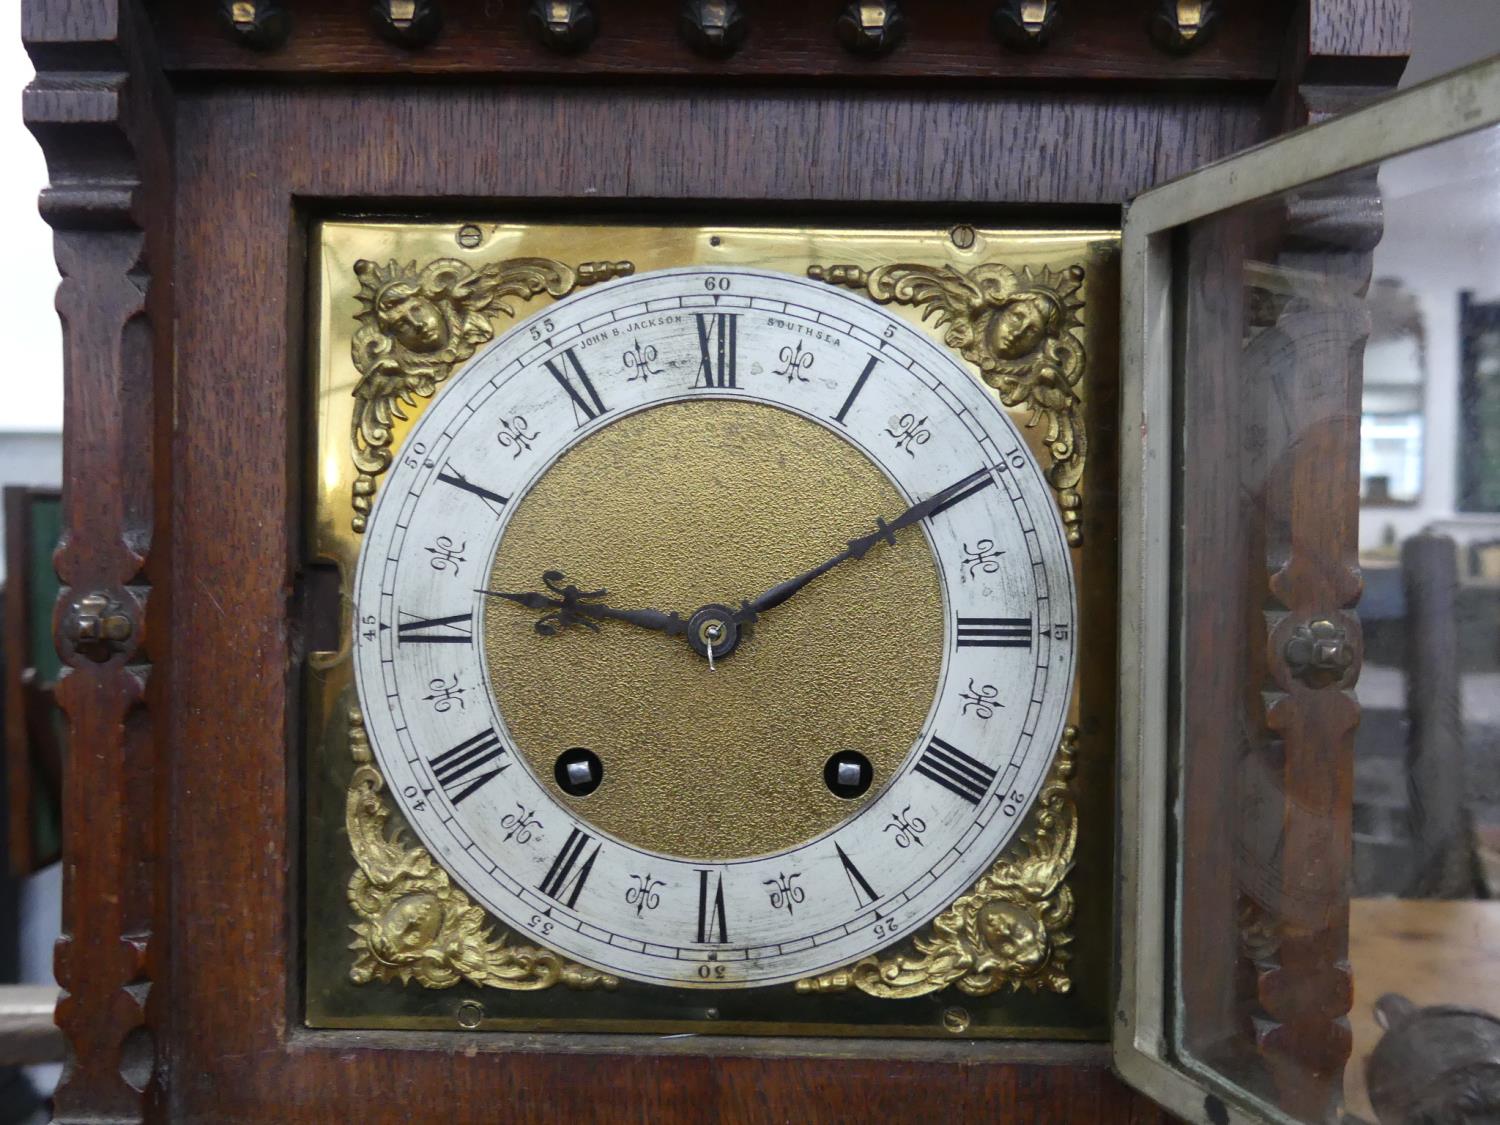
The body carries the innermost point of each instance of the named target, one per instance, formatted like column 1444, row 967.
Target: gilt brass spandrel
column 331, row 1000
column 1022, row 329
column 1010, row 931
column 417, row 324
column 415, row 925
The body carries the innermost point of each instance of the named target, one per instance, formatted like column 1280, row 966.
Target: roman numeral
column 452, row 476
column 561, row 879
column 859, row 385
column 857, row 882
column 955, row 771
column 717, row 337
column 457, row 771
column 586, row 401
column 712, row 926
column 434, row 630
column 994, row 632
column 979, row 485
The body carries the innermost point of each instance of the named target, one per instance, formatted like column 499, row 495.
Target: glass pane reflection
column 1338, row 606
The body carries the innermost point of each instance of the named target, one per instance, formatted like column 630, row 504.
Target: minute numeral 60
column 716, row 284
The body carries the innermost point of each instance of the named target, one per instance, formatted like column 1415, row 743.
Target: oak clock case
column 715, row 644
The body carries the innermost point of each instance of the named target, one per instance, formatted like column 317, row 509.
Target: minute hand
column 856, row 548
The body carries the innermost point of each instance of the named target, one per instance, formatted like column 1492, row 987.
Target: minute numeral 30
column 955, row 771
column 460, row 772
column 994, row 632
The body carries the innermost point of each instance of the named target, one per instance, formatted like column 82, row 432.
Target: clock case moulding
column 392, row 942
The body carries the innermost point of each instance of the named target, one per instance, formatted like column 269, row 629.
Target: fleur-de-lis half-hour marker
column 909, row 431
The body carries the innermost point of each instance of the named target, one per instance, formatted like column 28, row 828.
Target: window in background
column 1391, row 440
column 1479, row 352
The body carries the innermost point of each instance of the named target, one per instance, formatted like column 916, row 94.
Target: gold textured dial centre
column 675, row 508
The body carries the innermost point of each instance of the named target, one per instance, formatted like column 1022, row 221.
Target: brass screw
column 1180, row 26
column 98, row 627
column 565, row 26
column 956, row 1020
column 470, row 1013
column 407, row 23
column 713, row 27
column 261, row 24
column 469, row 236
column 1025, row 25
column 871, row 27
column 1318, row 652
column 963, row 236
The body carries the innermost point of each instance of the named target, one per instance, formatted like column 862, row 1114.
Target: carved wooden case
column 193, row 150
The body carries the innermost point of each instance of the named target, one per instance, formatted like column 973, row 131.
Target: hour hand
column 566, row 605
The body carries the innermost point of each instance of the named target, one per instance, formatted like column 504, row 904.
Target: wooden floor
column 1429, row 951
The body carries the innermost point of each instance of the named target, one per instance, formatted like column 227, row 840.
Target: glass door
column 1310, row 694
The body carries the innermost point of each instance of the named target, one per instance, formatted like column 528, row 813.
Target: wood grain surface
column 101, row 114
column 1372, row 32
column 572, row 151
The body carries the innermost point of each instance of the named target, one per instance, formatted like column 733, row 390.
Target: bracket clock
column 592, row 557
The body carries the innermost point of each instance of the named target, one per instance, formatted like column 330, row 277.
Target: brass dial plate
column 331, row 999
